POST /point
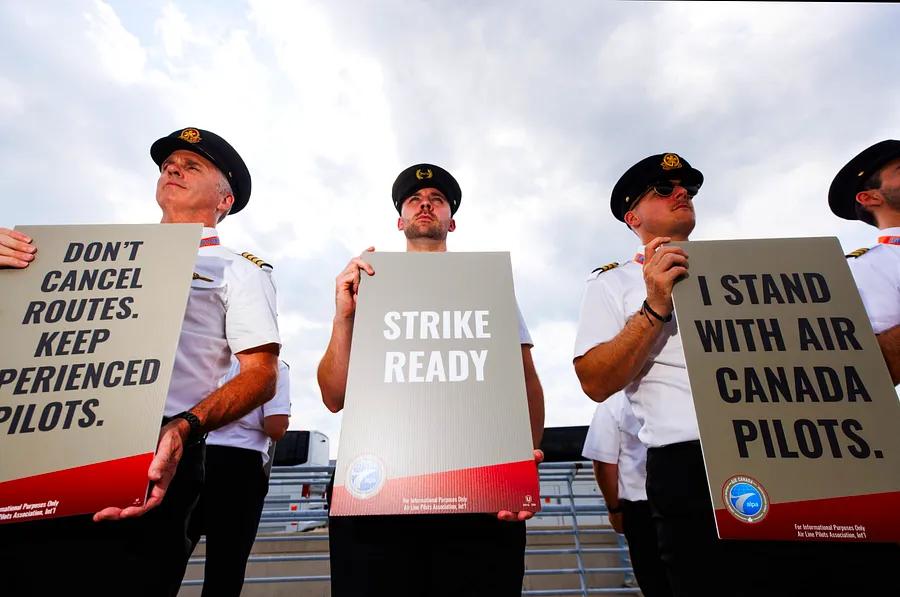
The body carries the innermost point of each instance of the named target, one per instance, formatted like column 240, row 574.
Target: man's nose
column 172, row 168
column 680, row 193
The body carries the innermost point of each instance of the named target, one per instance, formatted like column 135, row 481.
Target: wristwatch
column 196, row 434
column 615, row 510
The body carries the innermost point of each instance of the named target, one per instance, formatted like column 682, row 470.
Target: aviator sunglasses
column 664, row 189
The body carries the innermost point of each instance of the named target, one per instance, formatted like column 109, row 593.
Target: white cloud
column 174, row 30
column 118, row 51
column 705, row 60
column 12, row 100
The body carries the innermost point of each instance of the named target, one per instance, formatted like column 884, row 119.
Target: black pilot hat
column 214, row 148
column 656, row 168
column 849, row 181
column 423, row 176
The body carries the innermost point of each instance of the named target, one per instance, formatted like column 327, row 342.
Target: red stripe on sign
column 512, row 486
column 80, row 490
column 873, row 517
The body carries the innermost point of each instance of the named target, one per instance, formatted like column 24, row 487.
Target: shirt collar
column 209, row 238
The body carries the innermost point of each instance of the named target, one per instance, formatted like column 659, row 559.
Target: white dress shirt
column 231, row 308
column 612, row 438
column 660, row 394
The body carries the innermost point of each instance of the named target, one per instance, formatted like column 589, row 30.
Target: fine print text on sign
column 798, row 417
column 90, row 330
column 436, row 416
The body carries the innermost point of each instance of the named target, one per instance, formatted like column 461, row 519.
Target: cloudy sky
column 536, row 107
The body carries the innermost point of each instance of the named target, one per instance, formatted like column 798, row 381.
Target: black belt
column 691, row 446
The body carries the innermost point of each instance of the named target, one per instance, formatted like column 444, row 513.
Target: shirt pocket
column 207, row 284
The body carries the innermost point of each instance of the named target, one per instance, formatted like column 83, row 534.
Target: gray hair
column 223, row 187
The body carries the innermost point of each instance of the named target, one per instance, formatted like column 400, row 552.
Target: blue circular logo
column 365, row 477
column 745, row 498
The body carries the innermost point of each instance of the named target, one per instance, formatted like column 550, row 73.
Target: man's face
column 426, row 214
column 188, row 182
column 663, row 215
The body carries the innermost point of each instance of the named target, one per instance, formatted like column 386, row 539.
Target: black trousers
column 144, row 556
column 699, row 564
column 463, row 555
column 228, row 514
column 640, row 532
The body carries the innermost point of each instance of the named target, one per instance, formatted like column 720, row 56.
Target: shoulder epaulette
column 857, row 253
column 255, row 260
column 606, row 267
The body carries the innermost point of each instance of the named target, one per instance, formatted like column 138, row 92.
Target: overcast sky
column 535, row 107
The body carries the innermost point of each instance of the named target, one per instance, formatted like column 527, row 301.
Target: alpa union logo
column 745, row 499
column 365, row 477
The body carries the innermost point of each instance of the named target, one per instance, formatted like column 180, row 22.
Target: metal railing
column 571, row 524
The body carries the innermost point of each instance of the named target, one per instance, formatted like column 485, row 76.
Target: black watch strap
column 657, row 316
column 616, row 510
column 196, row 435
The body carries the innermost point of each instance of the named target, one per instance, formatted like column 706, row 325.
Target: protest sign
column 798, row 416
column 89, row 333
column 436, row 415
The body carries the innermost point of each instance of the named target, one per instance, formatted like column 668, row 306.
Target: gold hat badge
column 424, row 174
column 190, row 135
column 671, row 161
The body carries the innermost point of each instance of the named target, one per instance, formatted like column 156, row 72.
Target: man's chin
column 432, row 232
column 167, row 196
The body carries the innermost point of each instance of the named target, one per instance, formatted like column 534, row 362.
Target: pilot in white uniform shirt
column 231, row 308
column 248, row 431
column 612, row 438
column 660, row 395
column 877, row 275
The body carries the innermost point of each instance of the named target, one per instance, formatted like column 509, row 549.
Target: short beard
column 413, row 231
column 892, row 198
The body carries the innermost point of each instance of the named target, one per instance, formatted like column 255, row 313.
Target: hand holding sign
column 332, row 373
column 347, row 285
column 663, row 266
column 521, row 515
column 16, row 249
column 162, row 469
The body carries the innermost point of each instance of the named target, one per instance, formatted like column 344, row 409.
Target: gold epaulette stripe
column 255, row 260
column 857, row 253
column 606, row 267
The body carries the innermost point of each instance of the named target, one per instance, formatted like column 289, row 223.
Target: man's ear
column 452, row 226
column 400, row 225
column 632, row 219
column 870, row 198
column 224, row 207
column 226, row 203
